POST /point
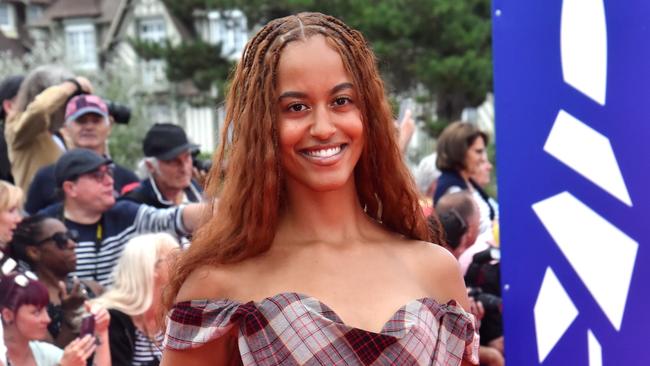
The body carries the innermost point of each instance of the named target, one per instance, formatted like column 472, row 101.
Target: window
column 7, row 20
column 80, row 46
column 228, row 28
column 152, row 30
column 34, row 13
column 153, row 73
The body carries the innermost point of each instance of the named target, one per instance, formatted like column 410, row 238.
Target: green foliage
column 116, row 83
column 441, row 45
column 197, row 61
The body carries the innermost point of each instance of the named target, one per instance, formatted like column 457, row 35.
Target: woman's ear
column 33, row 253
column 7, row 316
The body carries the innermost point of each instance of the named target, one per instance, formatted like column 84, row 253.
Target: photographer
column 169, row 165
column 32, row 130
column 459, row 217
column 88, row 125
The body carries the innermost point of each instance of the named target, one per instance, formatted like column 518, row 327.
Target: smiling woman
column 319, row 252
column 46, row 247
column 10, row 202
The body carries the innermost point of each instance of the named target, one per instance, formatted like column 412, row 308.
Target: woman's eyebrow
column 300, row 95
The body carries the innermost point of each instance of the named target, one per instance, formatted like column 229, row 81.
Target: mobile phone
column 404, row 105
column 87, row 325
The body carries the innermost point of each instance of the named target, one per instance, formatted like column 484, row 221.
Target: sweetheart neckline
column 451, row 304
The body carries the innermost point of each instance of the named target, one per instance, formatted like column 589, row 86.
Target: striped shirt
column 100, row 244
column 147, row 352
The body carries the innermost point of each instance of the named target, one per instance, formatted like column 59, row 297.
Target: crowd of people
column 308, row 247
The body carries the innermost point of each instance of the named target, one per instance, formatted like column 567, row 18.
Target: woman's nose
column 322, row 127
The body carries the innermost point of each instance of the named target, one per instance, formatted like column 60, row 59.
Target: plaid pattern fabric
column 293, row 329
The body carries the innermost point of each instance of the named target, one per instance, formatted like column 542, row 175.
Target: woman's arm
column 222, row 351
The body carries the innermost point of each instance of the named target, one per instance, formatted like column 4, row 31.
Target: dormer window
column 81, row 45
column 7, row 20
column 152, row 30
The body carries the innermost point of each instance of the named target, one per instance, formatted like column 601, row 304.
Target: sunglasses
column 99, row 175
column 61, row 239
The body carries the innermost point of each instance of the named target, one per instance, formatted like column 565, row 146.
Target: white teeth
column 324, row 153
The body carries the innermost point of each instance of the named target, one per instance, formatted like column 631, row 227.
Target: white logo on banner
column 587, row 240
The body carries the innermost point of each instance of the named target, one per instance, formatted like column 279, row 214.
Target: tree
column 443, row 46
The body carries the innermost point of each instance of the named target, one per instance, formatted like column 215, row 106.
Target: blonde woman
column 10, row 201
column 134, row 300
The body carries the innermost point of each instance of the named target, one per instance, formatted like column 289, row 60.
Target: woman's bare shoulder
column 206, row 282
column 438, row 271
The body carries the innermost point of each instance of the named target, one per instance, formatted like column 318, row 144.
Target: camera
column 483, row 282
column 484, row 272
column 202, row 165
column 121, row 114
column 490, row 302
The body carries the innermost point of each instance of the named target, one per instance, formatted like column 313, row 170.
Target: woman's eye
column 341, row 101
column 297, row 107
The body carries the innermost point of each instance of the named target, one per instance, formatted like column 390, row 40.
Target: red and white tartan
column 294, row 329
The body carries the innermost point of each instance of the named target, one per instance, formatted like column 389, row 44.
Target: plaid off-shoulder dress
column 294, row 329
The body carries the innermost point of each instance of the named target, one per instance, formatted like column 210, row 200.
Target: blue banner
column 572, row 84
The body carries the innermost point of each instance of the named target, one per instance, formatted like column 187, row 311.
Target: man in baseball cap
column 85, row 180
column 169, row 164
column 88, row 126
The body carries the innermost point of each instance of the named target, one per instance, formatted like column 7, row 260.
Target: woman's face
column 475, row 156
column 31, row 321
column 9, row 219
column 166, row 256
column 482, row 175
column 320, row 124
column 58, row 257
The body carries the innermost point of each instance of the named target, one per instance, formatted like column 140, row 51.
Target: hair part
column 453, row 143
column 133, row 277
column 13, row 295
column 246, row 227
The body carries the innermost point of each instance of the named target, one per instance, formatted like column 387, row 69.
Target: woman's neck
column 327, row 217
column 51, row 281
column 18, row 350
column 148, row 322
column 466, row 177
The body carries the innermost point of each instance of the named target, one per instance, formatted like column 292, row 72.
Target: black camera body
column 202, row 165
column 490, row 302
column 121, row 113
column 482, row 279
column 485, row 271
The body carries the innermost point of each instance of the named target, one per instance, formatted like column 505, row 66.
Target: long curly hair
column 251, row 190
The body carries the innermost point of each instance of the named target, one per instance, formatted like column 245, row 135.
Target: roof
column 36, row 2
column 102, row 10
column 13, row 45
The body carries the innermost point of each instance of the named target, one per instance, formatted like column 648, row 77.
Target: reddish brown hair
column 251, row 192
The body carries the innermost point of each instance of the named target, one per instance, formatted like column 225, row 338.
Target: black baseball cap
column 165, row 141
column 8, row 89
column 76, row 162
